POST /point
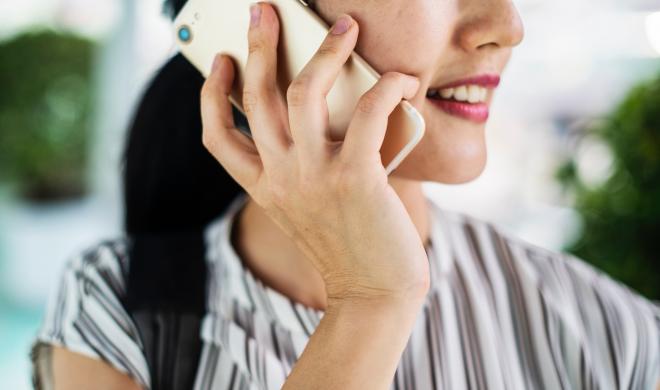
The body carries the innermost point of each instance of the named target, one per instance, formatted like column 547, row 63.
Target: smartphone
column 204, row 28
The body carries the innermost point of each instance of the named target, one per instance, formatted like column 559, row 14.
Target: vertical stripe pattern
column 500, row 314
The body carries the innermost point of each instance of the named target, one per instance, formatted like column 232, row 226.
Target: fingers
column 308, row 112
column 233, row 149
column 366, row 131
column 263, row 102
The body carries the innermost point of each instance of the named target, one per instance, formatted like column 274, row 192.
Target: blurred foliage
column 45, row 103
column 621, row 216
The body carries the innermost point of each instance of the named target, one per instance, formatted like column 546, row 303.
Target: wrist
column 356, row 294
column 404, row 301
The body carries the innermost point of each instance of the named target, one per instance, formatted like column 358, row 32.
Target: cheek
column 409, row 40
column 453, row 150
column 449, row 153
column 414, row 37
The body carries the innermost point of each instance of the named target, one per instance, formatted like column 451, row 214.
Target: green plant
column 44, row 113
column 621, row 216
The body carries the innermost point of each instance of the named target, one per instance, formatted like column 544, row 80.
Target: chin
column 454, row 155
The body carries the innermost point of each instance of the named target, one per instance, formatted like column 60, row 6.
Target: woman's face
column 439, row 41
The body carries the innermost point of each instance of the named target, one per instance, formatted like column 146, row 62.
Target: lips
column 463, row 93
column 489, row 81
column 474, row 112
column 465, row 98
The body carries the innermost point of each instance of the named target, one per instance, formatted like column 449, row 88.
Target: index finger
column 308, row 112
column 366, row 131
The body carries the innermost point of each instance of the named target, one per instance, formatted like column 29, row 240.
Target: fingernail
column 216, row 63
column 341, row 25
column 255, row 14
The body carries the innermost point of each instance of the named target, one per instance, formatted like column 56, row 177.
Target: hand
column 332, row 199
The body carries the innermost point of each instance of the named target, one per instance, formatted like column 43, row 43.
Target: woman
column 326, row 273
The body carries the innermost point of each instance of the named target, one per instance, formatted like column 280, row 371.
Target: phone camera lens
column 184, row 33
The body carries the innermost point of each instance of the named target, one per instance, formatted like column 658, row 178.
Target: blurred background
column 574, row 140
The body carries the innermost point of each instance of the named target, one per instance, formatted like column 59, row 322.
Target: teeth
column 447, row 93
column 461, row 93
column 474, row 94
column 464, row 93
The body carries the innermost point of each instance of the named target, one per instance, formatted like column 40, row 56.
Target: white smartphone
column 204, row 28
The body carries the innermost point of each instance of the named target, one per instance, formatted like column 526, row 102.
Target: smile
column 475, row 112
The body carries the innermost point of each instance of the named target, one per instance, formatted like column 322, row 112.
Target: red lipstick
column 477, row 111
column 489, row 81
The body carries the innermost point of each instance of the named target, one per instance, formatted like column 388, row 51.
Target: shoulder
column 104, row 264
column 568, row 309
column 555, row 274
column 617, row 329
column 549, row 270
column 86, row 314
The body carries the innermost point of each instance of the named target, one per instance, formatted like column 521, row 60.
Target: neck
column 273, row 257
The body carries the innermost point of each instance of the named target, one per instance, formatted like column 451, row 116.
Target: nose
column 489, row 23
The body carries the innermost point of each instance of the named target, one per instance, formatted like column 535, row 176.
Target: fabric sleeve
column 84, row 314
column 616, row 329
column 626, row 323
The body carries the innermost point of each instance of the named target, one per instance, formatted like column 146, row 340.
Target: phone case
column 206, row 27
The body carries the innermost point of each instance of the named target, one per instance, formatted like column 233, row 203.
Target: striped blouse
column 500, row 314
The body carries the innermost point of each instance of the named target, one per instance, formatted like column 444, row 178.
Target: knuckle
column 328, row 50
column 249, row 100
column 393, row 77
column 208, row 140
column 347, row 180
column 299, row 91
column 368, row 102
column 393, row 81
column 270, row 90
column 207, row 92
column 309, row 184
column 256, row 45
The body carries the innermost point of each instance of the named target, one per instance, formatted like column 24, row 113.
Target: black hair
column 172, row 188
column 172, row 7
